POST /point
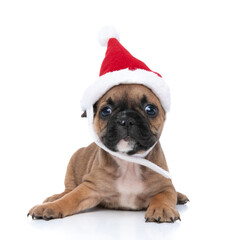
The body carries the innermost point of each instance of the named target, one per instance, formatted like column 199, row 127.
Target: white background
column 49, row 53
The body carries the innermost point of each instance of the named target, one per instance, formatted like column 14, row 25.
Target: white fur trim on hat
column 139, row 76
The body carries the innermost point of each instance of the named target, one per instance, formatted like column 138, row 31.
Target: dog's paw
column 46, row 211
column 181, row 198
column 162, row 214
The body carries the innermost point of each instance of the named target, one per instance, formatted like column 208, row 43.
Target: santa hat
column 120, row 67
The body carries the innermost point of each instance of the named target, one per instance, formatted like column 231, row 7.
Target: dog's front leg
column 162, row 207
column 81, row 198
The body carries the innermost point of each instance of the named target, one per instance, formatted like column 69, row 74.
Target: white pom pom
column 106, row 33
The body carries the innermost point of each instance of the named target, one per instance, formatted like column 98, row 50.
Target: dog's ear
column 84, row 114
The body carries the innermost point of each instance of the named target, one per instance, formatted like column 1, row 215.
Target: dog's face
column 129, row 118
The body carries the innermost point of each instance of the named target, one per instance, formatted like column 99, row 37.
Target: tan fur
column 94, row 177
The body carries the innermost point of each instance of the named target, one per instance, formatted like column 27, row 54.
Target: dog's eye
column 106, row 111
column 151, row 110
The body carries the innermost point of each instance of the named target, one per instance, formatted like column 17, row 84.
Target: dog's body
column 127, row 119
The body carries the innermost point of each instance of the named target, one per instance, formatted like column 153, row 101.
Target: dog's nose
column 126, row 122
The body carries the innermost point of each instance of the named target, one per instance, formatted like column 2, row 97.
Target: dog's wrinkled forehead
column 128, row 97
column 126, row 101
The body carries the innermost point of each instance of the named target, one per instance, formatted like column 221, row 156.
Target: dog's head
column 129, row 119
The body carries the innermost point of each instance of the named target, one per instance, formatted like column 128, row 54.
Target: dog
column 128, row 119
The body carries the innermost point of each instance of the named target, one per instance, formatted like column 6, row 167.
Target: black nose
column 126, row 122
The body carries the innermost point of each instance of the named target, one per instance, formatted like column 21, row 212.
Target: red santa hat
column 120, row 67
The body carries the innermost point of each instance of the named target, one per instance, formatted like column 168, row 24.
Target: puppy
column 128, row 119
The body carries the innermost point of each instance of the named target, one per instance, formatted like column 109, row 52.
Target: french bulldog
column 128, row 119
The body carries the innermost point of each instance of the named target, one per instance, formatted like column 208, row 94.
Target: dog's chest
column 129, row 184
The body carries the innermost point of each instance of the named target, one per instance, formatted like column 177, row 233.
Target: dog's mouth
column 130, row 146
column 126, row 145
